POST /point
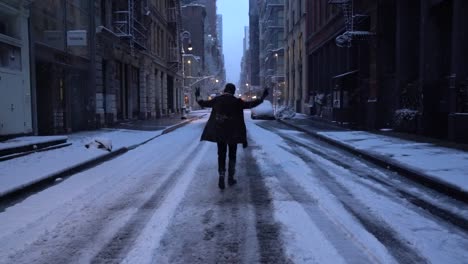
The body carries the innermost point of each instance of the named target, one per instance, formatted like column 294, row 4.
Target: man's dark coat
column 226, row 122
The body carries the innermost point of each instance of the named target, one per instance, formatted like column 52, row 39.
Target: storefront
column 65, row 94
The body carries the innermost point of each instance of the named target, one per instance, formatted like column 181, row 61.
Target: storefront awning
column 344, row 74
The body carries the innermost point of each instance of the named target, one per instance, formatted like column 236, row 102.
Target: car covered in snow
column 263, row 111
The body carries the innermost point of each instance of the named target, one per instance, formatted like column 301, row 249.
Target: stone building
column 124, row 62
column 138, row 60
column 62, row 75
column 254, row 46
column 271, row 17
column 244, row 65
column 200, row 25
column 399, row 64
column 295, row 92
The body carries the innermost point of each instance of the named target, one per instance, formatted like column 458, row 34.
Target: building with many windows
column 138, row 58
column 62, row 57
column 98, row 62
column 399, row 64
column 271, row 25
column 254, row 47
column 245, row 65
column 200, row 25
column 295, row 92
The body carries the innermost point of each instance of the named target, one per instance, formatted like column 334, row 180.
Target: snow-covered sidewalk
column 442, row 164
column 24, row 171
column 445, row 166
column 19, row 172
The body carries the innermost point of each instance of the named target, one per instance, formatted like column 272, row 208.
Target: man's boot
column 231, row 180
column 232, row 171
column 221, row 183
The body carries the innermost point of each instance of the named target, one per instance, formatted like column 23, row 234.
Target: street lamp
column 190, row 67
column 186, row 35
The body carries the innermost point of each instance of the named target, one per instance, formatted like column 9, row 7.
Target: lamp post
column 185, row 35
column 275, row 83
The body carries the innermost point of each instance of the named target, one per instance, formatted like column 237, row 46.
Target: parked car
column 263, row 111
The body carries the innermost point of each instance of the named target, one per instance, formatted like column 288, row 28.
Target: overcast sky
column 235, row 18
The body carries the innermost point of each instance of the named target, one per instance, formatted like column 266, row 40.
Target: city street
column 297, row 200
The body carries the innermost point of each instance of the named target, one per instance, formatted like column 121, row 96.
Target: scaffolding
column 127, row 25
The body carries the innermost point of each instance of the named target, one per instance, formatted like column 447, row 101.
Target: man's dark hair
column 230, row 88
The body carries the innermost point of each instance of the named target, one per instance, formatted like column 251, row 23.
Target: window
column 103, row 13
column 280, row 39
column 280, row 17
column 9, row 25
column 299, row 8
column 10, row 57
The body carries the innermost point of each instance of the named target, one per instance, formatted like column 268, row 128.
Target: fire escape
column 127, row 25
column 351, row 34
column 174, row 19
column 274, row 27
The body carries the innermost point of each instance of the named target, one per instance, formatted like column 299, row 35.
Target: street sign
column 77, row 38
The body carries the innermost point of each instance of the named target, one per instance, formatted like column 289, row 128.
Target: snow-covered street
column 298, row 200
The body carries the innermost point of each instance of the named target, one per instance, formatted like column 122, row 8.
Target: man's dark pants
column 222, row 149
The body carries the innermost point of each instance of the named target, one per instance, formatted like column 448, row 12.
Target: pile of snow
column 285, row 112
column 100, row 143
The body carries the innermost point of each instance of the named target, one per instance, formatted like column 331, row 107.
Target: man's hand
column 265, row 93
column 200, row 103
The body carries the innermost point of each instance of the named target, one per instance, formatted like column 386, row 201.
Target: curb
column 174, row 127
column 45, row 182
column 408, row 172
column 21, row 154
column 15, row 194
column 32, row 147
column 167, row 130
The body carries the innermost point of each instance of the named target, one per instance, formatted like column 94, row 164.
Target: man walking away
column 226, row 127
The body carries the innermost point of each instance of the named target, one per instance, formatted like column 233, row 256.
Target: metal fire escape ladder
column 175, row 57
column 131, row 9
column 346, row 39
column 126, row 26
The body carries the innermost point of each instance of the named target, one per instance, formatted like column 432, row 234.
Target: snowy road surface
column 297, row 201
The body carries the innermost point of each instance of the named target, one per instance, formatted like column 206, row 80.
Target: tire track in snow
column 210, row 225
column 341, row 239
column 420, row 196
column 396, row 245
column 77, row 239
column 235, row 225
column 438, row 211
column 268, row 230
column 122, row 242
